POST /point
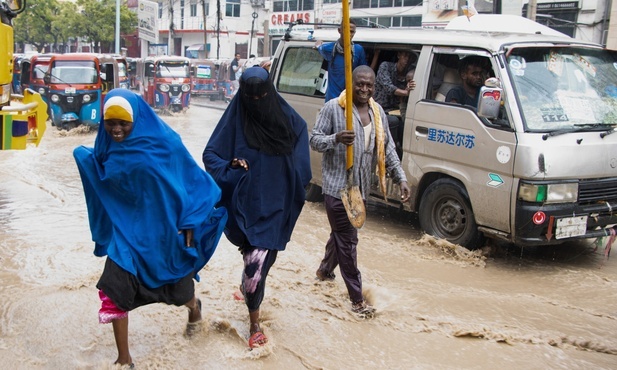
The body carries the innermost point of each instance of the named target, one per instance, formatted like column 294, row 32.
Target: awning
column 197, row 47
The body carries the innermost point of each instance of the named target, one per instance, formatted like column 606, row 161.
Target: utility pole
column 117, row 26
column 203, row 4
column 266, row 39
column 218, row 28
column 170, row 42
column 254, row 15
column 532, row 6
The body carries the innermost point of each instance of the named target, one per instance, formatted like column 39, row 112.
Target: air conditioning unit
column 257, row 3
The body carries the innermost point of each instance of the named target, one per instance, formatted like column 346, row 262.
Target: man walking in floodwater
column 373, row 146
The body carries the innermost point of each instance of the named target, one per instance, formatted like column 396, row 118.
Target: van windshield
column 561, row 88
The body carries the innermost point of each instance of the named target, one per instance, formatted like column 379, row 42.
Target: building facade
column 220, row 28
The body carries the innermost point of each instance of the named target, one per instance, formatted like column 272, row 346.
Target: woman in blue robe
column 259, row 156
column 152, row 213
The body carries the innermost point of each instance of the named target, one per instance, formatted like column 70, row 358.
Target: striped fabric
column 331, row 119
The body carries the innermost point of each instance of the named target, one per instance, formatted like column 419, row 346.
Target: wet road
column 439, row 306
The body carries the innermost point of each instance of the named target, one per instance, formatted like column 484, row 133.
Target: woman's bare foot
column 125, row 363
column 194, row 317
column 195, row 312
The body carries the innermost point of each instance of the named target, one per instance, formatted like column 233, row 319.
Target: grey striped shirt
column 331, row 119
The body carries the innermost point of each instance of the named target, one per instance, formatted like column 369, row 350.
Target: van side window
column 459, row 77
column 456, row 76
column 302, row 72
column 444, row 75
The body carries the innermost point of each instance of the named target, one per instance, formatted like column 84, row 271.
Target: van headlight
column 186, row 88
column 164, row 87
column 548, row 193
column 55, row 98
column 86, row 98
column 42, row 90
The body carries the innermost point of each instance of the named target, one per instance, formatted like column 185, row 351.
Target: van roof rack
column 300, row 21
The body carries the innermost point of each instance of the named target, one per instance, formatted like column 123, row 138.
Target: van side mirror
column 47, row 78
column 489, row 102
column 490, row 99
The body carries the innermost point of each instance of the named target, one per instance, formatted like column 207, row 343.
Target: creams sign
column 278, row 22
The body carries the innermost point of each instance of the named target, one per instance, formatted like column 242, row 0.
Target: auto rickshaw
column 123, row 67
column 225, row 84
column 77, row 85
column 18, row 59
column 203, row 78
column 33, row 74
column 165, row 82
column 132, row 72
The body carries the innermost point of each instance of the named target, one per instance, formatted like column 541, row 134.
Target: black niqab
column 265, row 125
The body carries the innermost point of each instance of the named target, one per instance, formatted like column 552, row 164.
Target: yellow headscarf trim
column 380, row 137
column 118, row 107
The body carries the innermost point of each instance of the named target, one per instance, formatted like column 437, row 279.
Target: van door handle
column 421, row 130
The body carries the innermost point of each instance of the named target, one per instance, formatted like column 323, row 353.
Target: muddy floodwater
column 438, row 306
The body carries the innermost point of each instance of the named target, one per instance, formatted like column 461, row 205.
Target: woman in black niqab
column 265, row 124
column 258, row 154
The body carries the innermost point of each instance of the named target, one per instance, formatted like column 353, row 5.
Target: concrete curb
column 207, row 103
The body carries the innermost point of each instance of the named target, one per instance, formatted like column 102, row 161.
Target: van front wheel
column 445, row 213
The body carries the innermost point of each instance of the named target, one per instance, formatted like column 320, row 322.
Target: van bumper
column 601, row 217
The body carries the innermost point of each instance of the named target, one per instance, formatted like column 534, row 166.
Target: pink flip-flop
column 258, row 339
column 238, row 296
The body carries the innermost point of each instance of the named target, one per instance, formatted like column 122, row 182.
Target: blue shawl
column 141, row 192
column 264, row 202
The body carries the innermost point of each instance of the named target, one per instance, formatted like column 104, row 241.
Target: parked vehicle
column 77, row 85
column 33, row 74
column 226, row 87
column 16, row 86
column 22, row 116
column 123, row 74
column 165, row 82
column 203, row 78
column 132, row 72
column 534, row 163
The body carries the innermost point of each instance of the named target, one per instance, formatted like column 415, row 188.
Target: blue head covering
column 141, row 192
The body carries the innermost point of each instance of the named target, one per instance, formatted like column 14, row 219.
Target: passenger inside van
column 390, row 84
column 391, row 88
column 473, row 72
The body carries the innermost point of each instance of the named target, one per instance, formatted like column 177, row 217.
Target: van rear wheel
column 445, row 213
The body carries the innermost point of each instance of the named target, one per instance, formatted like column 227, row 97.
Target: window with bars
column 358, row 4
column 195, row 5
column 294, row 5
column 232, row 8
column 390, row 22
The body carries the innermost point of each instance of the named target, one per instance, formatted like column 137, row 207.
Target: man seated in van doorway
column 390, row 83
column 473, row 72
column 332, row 52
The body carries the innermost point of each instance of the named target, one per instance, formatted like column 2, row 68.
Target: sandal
column 257, row 339
column 239, row 294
